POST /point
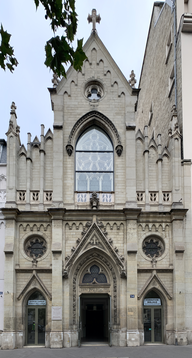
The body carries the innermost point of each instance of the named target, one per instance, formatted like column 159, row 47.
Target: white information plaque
column 56, row 313
column 36, row 302
column 152, row 302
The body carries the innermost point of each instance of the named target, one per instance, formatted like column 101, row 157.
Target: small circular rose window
column 153, row 247
column 94, row 91
column 35, row 247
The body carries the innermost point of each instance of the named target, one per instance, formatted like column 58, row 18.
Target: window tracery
column 95, row 276
column 36, row 247
column 153, row 247
column 94, row 162
column 94, row 91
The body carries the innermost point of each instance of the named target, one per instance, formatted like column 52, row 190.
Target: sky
column 123, row 30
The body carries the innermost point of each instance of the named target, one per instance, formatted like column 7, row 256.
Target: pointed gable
column 94, row 237
column 99, row 63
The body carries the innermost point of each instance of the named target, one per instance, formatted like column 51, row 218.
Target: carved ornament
column 94, row 115
column 155, row 278
column 93, row 236
column 37, row 279
column 94, row 201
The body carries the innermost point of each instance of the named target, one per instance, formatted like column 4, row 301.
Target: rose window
column 36, row 247
column 94, row 91
column 94, row 276
column 153, row 247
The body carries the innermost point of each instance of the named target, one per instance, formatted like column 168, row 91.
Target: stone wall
column 155, row 98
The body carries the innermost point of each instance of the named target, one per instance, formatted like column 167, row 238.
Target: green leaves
column 59, row 53
column 79, row 56
column 58, row 50
column 7, row 58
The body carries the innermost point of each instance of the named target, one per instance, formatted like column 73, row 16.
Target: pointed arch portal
column 36, row 319
column 153, row 317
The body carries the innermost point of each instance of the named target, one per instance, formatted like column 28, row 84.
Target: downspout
column 175, row 49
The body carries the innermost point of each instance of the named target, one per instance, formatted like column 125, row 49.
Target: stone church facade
column 95, row 220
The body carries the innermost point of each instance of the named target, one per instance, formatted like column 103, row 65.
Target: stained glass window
column 94, row 161
column 94, row 276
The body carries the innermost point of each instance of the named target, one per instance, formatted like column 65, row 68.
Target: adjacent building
column 3, row 178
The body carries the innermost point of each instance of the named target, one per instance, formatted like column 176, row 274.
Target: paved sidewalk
column 155, row 351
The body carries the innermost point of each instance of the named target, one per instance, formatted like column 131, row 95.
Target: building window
column 35, row 247
column 94, row 91
column 94, row 95
column 94, row 161
column 95, row 276
column 153, row 247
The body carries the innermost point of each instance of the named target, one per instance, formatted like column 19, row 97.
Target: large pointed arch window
column 94, row 161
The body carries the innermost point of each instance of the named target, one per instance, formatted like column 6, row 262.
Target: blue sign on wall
column 132, row 296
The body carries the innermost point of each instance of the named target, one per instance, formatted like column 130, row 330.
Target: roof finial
column 94, row 18
column 132, row 80
column 55, row 80
column 13, row 109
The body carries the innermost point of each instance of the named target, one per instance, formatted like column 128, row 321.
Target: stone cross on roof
column 94, row 18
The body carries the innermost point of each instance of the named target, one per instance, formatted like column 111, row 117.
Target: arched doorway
column 35, row 319
column 153, row 318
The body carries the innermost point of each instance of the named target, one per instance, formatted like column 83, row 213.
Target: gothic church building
column 95, row 228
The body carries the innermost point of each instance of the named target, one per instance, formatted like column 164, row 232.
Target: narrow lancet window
column 94, row 161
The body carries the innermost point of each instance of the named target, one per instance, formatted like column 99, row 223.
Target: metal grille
column 94, row 276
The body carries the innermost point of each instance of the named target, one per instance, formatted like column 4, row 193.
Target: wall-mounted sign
column 36, row 302
column 1, row 293
column 152, row 302
column 132, row 296
column 57, row 313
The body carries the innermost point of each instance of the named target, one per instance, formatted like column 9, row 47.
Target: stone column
column 56, row 336
column 132, row 307
column 159, row 163
column 42, row 168
column 146, row 155
column 131, row 200
column 29, row 161
column 9, row 334
column 58, row 148
column 13, row 145
column 177, row 216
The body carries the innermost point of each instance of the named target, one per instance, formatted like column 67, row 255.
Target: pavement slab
column 155, row 351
